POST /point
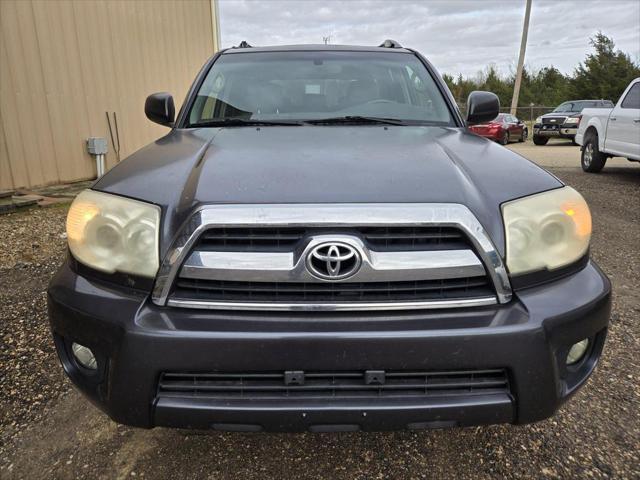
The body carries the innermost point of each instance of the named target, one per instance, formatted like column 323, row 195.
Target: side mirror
column 482, row 107
column 159, row 108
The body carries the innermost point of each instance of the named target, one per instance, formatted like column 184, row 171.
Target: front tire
column 505, row 139
column 540, row 140
column 592, row 160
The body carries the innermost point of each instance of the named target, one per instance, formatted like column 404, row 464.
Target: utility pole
column 523, row 47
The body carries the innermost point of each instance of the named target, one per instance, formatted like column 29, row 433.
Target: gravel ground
column 34, row 245
column 49, row 431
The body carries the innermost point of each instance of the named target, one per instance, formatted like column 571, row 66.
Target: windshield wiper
column 355, row 119
column 243, row 122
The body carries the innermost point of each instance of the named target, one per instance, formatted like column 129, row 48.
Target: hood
column 326, row 164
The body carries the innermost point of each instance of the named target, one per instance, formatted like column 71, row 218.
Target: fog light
column 84, row 356
column 577, row 351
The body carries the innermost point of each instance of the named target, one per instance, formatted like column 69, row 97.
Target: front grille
column 249, row 238
column 414, row 238
column 553, row 120
column 332, row 385
column 228, row 291
column 257, row 257
column 376, row 238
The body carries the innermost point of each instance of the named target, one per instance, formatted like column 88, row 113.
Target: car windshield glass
column 301, row 86
column 579, row 106
column 565, row 107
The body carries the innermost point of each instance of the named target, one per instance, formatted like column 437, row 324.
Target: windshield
column 579, row 106
column 287, row 86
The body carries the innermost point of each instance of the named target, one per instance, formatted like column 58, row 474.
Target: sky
column 457, row 36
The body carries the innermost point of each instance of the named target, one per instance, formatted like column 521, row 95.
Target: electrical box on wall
column 97, row 145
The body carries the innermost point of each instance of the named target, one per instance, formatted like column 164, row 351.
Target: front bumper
column 136, row 341
column 557, row 131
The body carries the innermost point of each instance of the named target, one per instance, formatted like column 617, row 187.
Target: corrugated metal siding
column 64, row 63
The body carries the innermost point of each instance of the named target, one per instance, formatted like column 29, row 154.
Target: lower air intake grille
column 299, row 384
column 221, row 290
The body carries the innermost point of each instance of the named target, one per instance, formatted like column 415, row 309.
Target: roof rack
column 388, row 43
column 244, row 44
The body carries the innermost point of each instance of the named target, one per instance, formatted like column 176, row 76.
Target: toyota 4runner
column 320, row 244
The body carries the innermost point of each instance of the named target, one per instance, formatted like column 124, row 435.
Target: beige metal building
column 64, row 63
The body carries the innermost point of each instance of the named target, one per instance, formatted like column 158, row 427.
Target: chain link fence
column 527, row 114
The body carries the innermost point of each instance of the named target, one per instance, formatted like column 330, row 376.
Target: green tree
column 548, row 87
column 451, row 83
column 464, row 87
column 604, row 73
column 491, row 81
column 460, row 87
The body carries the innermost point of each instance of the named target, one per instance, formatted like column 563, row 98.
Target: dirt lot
column 49, row 431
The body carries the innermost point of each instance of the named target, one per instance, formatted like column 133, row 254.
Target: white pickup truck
column 612, row 132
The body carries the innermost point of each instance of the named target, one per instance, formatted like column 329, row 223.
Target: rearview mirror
column 159, row 108
column 482, row 107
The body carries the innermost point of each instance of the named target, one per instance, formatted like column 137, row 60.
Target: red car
column 504, row 128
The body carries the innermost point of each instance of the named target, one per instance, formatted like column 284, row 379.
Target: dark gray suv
column 320, row 244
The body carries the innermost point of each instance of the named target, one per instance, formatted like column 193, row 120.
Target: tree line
column 604, row 74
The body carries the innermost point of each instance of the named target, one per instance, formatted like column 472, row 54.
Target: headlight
column 538, row 120
column 546, row 231
column 112, row 233
column 572, row 120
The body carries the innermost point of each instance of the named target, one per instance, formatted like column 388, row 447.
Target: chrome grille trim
column 331, row 215
column 290, row 266
column 332, row 307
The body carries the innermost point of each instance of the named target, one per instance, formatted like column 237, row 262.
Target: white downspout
column 215, row 25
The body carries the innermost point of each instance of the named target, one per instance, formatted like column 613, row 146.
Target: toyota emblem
column 333, row 261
